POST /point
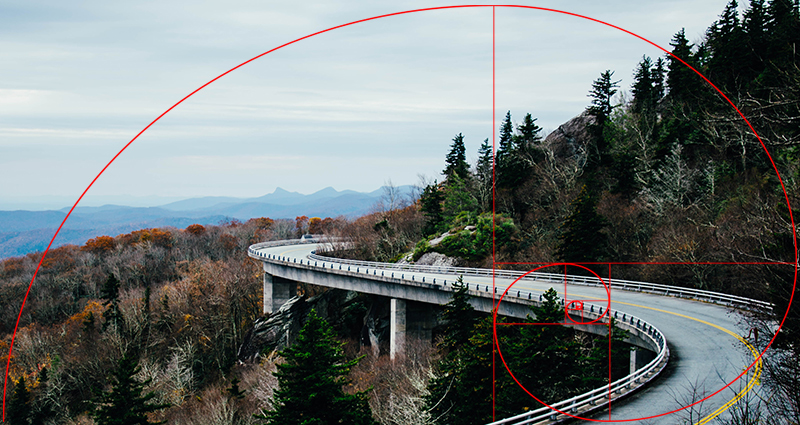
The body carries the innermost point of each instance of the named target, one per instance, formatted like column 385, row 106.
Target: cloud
column 358, row 105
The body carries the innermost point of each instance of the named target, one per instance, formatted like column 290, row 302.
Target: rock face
column 278, row 330
column 354, row 316
column 359, row 316
column 436, row 259
column 570, row 138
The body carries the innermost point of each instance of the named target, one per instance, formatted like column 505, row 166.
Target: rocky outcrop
column 357, row 315
column 436, row 259
column 570, row 138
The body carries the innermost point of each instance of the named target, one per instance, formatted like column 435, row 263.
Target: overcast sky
column 351, row 108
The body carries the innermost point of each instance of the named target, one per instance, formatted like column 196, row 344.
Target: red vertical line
column 609, row 343
column 494, row 258
column 565, row 294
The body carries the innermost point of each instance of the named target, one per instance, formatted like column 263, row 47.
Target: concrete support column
column 397, row 327
column 276, row 292
column 267, row 293
column 634, row 363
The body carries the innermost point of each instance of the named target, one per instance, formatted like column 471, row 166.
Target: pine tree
column 508, row 165
column 110, row 293
column 233, row 391
column 754, row 24
column 234, row 395
column 18, row 411
column 459, row 317
column 581, row 238
column 461, row 394
column 484, row 173
column 726, row 44
column 687, row 96
column 603, row 90
column 644, row 97
column 458, row 199
column 528, row 133
column 431, row 206
column 783, row 27
column 526, row 144
column 311, row 379
column 456, row 159
column 680, row 79
column 547, row 359
column 647, row 91
column 658, row 73
column 125, row 404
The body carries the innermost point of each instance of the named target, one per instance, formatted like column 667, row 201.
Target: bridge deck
column 705, row 353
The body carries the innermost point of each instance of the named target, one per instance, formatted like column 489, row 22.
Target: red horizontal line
column 546, row 324
column 707, row 263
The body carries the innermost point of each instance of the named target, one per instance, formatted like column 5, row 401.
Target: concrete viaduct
column 687, row 336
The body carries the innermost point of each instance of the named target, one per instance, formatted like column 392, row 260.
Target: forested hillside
column 661, row 182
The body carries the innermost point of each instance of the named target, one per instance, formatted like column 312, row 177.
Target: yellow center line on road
column 756, row 355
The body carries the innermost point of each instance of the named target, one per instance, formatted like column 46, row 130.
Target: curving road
column 706, row 352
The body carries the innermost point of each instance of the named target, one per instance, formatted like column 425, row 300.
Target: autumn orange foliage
column 196, row 229
column 157, row 237
column 261, row 222
column 315, row 225
column 99, row 244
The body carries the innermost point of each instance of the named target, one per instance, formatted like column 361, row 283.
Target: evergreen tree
column 528, row 133
column 125, row 404
column 431, row 205
column 547, row 359
column 756, row 44
column 686, row 99
column 726, row 44
column 311, row 379
column 643, row 90
column 18, row 411
column 527, row 142
column 624, row 174
column 456, row 160
column 658, row 74
column 603, row 90
column 235, row 394
column 459, row 317
column 581, row 238
column 598, row 362
column 110, row 293
column 508, row 167
column 233, row 391
column 485, row 176
column 647, row 91
column 680, row 79
column 783, row 27
column 461, row 394
column 458, row 199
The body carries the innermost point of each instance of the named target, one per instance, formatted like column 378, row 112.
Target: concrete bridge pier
column 277, row 291
column 640, row 358
column 397, row 327
column 411, row 323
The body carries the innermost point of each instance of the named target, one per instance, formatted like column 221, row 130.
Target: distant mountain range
column 22, row 232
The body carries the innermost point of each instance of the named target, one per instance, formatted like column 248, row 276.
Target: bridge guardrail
column 655, row 288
